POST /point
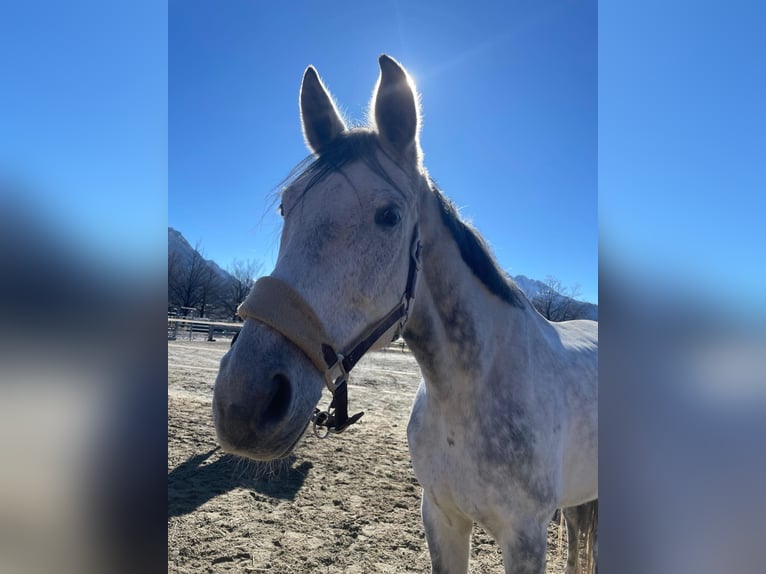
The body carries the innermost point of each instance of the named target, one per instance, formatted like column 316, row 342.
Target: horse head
column 347, row 252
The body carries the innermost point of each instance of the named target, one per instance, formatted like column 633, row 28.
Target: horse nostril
column 280, row 399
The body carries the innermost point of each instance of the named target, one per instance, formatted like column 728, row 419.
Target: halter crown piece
column 276, row 304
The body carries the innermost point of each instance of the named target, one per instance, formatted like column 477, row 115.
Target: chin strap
column 277, row 305
column 335, row 419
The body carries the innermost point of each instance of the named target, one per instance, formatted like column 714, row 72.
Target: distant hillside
column 545, row 294
column 178, row 244
column 197, row 285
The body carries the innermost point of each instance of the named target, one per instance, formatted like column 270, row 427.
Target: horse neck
column 458, row 327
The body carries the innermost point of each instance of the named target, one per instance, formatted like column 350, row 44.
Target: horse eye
column 387, row 217
column 281, row 209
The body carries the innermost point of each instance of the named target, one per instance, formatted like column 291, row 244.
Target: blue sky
column 682, row 146
column 83, row 122
column 509, row 94
column 112, row 140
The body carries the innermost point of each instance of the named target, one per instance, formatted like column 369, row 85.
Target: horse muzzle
column 264, row 395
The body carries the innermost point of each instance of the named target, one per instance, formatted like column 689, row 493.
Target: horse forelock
column 355, row 145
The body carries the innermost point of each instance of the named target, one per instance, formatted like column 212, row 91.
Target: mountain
column 198, row 283
column 547, row 295
column 531, row 287
column 178, row 244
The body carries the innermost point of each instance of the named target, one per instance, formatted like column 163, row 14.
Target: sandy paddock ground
column 348, row 503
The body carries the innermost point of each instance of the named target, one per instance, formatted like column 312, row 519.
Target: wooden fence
column 178, row 327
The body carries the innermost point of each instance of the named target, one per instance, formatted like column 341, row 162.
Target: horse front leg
column 524, row 551
column 448, row 536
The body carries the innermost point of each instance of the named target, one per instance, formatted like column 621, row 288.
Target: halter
column 277, row 305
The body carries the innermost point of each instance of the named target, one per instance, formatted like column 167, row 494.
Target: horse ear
column 319, row 116
column 395, row 107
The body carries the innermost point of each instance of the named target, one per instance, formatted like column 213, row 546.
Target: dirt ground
column 348, row 503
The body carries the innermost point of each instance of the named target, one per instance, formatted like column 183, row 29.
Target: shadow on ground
column 195, row 481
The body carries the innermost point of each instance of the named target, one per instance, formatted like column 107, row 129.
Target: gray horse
column 503, row 429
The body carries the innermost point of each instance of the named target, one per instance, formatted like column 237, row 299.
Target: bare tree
column 189, row 282
column 211, row 290
column 174, row 270
column 244, row 274
column 556, row 302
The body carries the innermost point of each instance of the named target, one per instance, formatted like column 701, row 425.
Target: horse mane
column 476, row 253
column 363, row 145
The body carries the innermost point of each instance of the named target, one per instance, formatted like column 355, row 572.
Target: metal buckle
column 334, row 373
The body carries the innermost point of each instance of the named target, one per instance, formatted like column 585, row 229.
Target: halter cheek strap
column 279, row 306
